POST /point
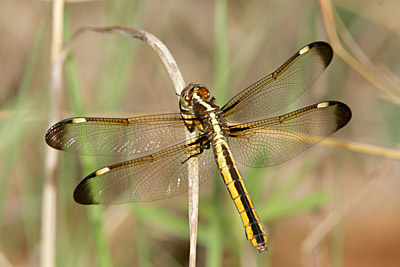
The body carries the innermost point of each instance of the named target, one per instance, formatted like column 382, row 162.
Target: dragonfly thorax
column 199, row 111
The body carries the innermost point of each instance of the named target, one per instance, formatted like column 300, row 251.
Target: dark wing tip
column 82, row 193
column 343, row 112
column 325, row 51
column 51, row 138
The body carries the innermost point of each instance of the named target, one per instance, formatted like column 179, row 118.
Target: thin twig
column 363, row 148
column 179, row 84
column 48, row 230
column 360, row 64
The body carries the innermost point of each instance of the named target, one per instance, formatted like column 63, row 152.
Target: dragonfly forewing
column 117, row 136
column 282, row 87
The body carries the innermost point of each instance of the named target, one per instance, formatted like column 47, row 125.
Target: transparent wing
column 281, row 87
column 116, row 136
column 161, row 175
column 276, row 140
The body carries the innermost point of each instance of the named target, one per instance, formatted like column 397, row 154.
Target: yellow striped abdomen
column 234, row 182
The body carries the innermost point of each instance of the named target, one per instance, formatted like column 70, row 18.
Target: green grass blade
column 119, row 55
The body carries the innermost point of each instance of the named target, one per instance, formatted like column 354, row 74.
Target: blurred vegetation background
column 327, row 207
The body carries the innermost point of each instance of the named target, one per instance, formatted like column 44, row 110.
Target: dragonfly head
column 190, row 90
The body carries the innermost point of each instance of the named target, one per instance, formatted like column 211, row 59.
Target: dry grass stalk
column 360, row 62
column 48, row 230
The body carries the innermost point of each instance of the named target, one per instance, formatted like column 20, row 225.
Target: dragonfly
column 163, row 155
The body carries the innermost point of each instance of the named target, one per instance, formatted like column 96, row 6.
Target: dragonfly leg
column 201, row 148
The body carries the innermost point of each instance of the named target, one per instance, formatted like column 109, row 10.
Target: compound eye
column 204, row 93
column 184, row 100
column 186, row 95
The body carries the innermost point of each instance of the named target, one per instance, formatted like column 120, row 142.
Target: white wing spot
column 323, row 105
column 102, row 171
column 78, row 120
column 304, row 49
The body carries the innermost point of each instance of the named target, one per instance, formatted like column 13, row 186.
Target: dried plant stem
column 362, row 63
column 48, row 231
column 179, row 84
column 363, row 148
